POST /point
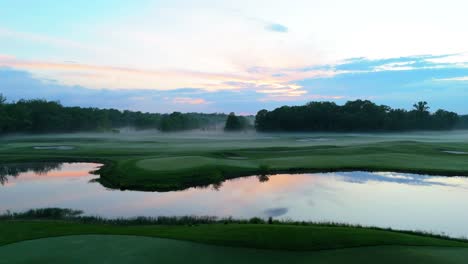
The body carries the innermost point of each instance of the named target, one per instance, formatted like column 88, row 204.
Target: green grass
column 189, row 162
column 170, row 162
column 132, row 249
column 71, row 242
column 262, row 236
column 164, row 162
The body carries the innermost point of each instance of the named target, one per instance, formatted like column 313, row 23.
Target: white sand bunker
column 54, row 147
column 313, row 139
column 455, row 152
column 237, row 158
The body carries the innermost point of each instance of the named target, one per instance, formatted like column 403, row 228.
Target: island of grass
column 165, row 162
column 50, row 235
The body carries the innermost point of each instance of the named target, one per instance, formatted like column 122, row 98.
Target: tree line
column 463, row 122
column 358, row 115
column 41, row 116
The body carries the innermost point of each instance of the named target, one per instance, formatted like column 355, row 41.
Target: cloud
column 397, row 88
column 277, row 28
column 268, row 24
column 396, row 66
column 403, row 63
column 455, row 79
column 262, row 80
column 306, row 98
column 392, row 177
column 116, row 77
column 188, row 100
column 398, row 82
column 17, row 84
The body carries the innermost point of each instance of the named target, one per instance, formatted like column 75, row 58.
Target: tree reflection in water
column 13, row 170
column 263, row 178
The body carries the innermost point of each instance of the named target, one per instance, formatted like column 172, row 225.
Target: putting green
column 134, row 249
column 187, row 162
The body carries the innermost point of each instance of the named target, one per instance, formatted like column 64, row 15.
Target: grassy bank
column 134, row 249
column 53, row 236
column 261, row 236
column 163, row 162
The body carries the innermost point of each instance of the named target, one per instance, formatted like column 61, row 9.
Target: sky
column 234, row 56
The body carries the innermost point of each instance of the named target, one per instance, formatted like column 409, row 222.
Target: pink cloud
column 188, row 100
column 281, row 97
column 275, row 84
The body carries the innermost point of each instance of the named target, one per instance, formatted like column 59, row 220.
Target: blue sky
column 242, row 56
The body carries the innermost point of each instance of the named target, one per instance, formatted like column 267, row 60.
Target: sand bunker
column 54, row 147
column 237, row 158
column 455, row 152
column 313, row 139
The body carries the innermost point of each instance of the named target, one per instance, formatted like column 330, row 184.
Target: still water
column 384, row 199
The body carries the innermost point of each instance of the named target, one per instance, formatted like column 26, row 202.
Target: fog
column 286, row 139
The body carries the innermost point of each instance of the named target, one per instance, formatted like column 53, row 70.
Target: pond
column 383, row 199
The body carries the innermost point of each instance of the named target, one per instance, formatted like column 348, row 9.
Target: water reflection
column 217, row 185
column 384, row 199
column 402, row 178
column 13, row 170
column 263, row 178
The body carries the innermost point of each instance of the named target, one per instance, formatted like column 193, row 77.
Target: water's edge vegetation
column 254, row 232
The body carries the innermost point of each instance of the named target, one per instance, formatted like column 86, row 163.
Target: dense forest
column 463, row 122
column 359, row 115
column 40, row 116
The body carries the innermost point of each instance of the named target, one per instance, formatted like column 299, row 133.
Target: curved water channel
column 384, row 199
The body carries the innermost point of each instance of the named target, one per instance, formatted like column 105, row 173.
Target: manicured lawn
column 133, row 249
column 171, row 162
column 189, row 162
column 278, row 237
column 163, row 162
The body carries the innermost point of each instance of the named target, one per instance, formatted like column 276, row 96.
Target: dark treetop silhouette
column 359, row 115
column 41, row 116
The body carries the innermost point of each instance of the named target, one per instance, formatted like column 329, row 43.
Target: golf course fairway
column 133, row 249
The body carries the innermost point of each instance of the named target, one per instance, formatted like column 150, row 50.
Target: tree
column 421, row 107
column 41, row 116
column 260, row 119
column 444, row 120
column 4, row 119
column 2, row 99
column 358, row 115
column 421, row 116
column 233, row 123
